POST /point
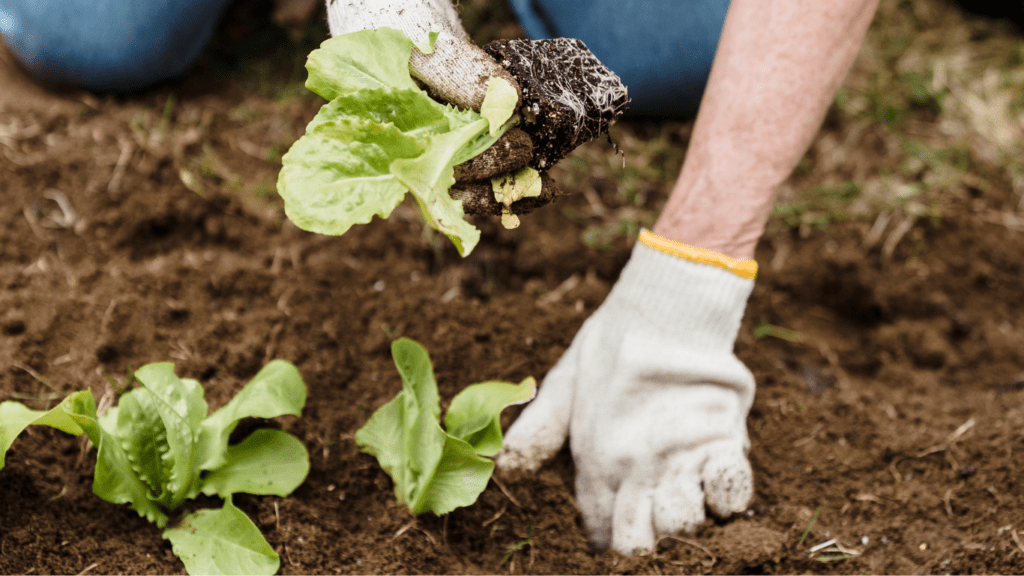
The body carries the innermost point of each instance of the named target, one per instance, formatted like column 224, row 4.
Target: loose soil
column 899, row 414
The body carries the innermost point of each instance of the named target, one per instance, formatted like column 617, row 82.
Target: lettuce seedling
column 436, row 470
column 158, row 448
column 380, row 136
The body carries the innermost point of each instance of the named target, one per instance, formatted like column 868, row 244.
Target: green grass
column 809, row 526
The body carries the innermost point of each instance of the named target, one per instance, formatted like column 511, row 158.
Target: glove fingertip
column 728, row 484
column 633, row 521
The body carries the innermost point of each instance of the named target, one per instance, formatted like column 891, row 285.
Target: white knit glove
column 652, row 398
column 457, row 70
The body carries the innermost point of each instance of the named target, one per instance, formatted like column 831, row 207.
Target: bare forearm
column 778, row 67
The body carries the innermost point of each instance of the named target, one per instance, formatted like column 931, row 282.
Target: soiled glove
column 652, row 398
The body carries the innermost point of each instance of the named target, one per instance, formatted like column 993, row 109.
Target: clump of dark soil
column 512, row 152
column 569, row 97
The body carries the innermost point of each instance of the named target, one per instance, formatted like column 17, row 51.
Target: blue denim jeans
column 662, row 49
column 107, row 45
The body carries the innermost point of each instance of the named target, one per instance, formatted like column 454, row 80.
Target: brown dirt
column 898, row 352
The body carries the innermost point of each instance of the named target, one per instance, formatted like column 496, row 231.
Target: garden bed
column 892, row 405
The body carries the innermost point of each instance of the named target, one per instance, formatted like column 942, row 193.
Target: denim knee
column 107, row 45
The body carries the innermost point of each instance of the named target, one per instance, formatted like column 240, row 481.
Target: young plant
column 158, row 448
column 380, row 136
column 434, row 469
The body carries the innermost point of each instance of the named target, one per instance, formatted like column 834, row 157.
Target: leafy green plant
column 158, row 448
column 434, row 469
column 380, row 136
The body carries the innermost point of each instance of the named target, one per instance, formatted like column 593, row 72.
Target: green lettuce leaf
column 475, row 413
column 499, row 104
column 114, row 479
column 433, row 470
column 366, row 59
column 266, row 462
column 15, row 417
column 222, row 541
column 276, row 390
column 181, row 408
column 143, row 436
column 153, row 446
column 380, row 136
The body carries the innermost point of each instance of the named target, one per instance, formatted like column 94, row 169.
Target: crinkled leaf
column 15, row 417
column 266, row 462
column 365, row 59
column 276, row 390
column 475, row 413
column 223, row 541
column 114, row 480
column 379, row 137
column 339, row 173
column 137, row 425
column 430, row 175
column 181, row 407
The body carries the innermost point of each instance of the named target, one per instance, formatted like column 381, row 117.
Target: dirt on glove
column 568, row 99
column 569, row 96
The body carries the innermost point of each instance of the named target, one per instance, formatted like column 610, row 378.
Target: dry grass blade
column 504, row 490
column 414, row 525
column 822, row 546
column 709, row 563
column 66, row 217
column 494, row 518
column 560, row 292
column 33, row 224
column 1016, row 540
column 38, row 377
column 88, row 568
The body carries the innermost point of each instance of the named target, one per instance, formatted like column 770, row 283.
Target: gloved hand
column 652, row 398
column 457, row 71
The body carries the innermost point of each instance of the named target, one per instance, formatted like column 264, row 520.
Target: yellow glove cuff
column 743, row 268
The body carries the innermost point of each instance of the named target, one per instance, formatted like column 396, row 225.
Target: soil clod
column 569, row 97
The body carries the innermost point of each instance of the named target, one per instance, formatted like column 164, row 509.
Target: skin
column 777, row 69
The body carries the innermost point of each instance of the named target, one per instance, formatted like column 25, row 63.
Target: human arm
column 777, row 69
column 650, row 392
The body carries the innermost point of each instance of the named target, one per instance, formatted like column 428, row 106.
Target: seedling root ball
column 569, row 97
